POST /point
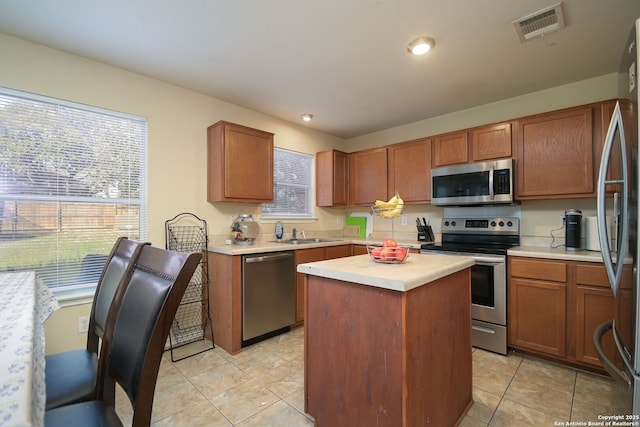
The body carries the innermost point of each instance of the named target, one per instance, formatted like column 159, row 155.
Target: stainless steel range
column 487, row 241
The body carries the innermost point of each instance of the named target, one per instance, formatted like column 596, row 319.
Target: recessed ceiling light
column 421, row 45
column 307, row 117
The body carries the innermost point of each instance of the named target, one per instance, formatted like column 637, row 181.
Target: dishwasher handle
column 267, row 258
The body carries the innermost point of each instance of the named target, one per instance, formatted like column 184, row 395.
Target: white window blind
column 72, row 179
column 292, row 186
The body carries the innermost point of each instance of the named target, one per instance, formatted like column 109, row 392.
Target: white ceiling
column 344, row 61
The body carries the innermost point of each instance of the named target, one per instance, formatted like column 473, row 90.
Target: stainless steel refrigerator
column 617, row 223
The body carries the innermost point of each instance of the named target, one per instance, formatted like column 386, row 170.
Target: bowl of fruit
column 388, row 253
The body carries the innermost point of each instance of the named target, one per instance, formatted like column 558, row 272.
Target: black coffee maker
column 573, row 229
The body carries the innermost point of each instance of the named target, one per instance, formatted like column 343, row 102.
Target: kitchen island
column 388, row 344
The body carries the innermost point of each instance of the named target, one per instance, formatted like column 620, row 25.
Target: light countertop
column 274, row 247
column 555, row 253
column 417, row 270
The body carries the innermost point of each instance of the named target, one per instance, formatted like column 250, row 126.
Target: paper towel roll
column 592, row 240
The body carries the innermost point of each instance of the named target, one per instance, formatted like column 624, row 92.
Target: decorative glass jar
column 244, row 230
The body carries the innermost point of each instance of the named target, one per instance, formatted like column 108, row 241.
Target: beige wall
column 178, row 119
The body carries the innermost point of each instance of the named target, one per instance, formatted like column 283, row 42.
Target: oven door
column 488, row 289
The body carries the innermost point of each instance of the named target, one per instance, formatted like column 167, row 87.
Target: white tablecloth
column 25, row 303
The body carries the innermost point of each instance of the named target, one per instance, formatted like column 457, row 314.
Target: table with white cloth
column 25, row 304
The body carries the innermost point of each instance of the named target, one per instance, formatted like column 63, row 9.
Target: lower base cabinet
column 555, row 306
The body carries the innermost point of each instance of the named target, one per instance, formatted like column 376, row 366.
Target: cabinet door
column 594, row 306
column 367, row 176
column 606, row 111
column 450, row 149
column 303, row 256
column 537, row 316
column 331, row 178
column 240, row 164
column 490, row 142
column 410, row 170
column 554, row 155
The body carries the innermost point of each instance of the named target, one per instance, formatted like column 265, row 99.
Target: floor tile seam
column 220, row 410
column 502, row 395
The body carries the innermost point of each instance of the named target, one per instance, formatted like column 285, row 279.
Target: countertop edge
column 418, row 270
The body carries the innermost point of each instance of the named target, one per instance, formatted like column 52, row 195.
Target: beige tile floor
column 263, row 386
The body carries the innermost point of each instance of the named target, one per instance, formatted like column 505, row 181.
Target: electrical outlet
column 403, row 220
column 83, row 324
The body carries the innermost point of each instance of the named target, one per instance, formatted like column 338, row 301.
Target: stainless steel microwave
column 484, row 183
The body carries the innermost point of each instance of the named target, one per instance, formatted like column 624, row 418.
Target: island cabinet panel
column 378, row 357
column 367, row 176
column 554, row 155
column 239, row 164
column 331, row 178
column 490, row 142
column 450, row 149
column 410, row 170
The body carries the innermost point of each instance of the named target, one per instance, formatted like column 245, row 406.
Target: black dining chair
column 134, row 342
column 70, row 376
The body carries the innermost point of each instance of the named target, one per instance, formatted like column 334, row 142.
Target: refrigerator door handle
column 611, row 368
column 613, row 273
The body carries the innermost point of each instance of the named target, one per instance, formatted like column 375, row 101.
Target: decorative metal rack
column 186, row 233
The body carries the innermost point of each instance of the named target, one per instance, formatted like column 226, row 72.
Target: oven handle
column 483, row 329
column 488, row 260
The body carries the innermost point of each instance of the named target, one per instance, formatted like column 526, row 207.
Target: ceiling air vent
column 539, row 23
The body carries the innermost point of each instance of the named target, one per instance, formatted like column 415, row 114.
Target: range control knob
column 453, row 223
column 509, row 224
column 493, row 223
column 446, row 223
column 501, row 223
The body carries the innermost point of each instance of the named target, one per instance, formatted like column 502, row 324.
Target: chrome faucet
column 294, row 232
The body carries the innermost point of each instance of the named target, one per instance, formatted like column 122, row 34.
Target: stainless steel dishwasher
column 268, row 295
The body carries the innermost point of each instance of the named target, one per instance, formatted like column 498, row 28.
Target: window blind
column 292, row 179
column 72, row 179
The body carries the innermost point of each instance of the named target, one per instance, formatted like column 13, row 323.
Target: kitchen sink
column 304, row 241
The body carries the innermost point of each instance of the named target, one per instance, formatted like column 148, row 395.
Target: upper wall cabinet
column 602, row 126
column 331, row 178
column 240, row 164
column 490, row 142
column 410, row 170
column 367, row 176
column 554, row 155
column 450, row 149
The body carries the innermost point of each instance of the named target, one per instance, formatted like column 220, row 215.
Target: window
column 292, row 191
column 72, row 179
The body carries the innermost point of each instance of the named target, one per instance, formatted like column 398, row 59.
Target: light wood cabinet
column 555, row 307
column 554, row 155
column 605, row 113
column 537, row 305
column 312, row 255
column 490, row 142
column 450, row 149
column 331, row 178
column 367, row 176
column 239, row 164
column 410, row 170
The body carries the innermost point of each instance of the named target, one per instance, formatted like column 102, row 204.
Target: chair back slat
column 133, row 345
column 117, row 270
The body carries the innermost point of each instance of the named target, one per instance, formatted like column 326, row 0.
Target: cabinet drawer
column 592, row 275
column 555, row 271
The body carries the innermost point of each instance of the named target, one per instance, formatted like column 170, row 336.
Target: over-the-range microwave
column 484, row 183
